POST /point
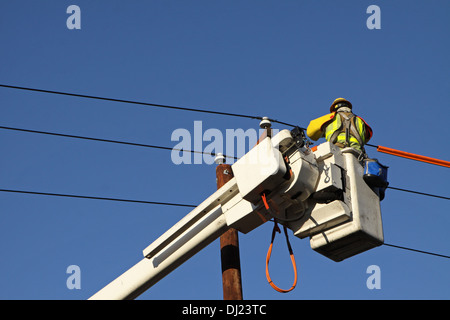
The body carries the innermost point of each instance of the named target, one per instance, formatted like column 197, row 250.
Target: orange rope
column 263, row 196
column 269, row 253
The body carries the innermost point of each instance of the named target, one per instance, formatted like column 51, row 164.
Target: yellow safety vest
column 346, row 130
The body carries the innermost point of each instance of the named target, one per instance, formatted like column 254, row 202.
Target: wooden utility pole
column 229, row 243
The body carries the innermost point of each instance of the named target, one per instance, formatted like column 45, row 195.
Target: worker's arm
column 316, row 126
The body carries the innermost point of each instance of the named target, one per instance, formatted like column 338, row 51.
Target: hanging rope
column 269, row 253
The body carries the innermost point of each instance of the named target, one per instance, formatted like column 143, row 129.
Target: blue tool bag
column 375, row 175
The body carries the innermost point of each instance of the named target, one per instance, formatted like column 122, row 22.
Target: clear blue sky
column 284, row 59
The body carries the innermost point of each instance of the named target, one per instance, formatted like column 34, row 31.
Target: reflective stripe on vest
column 355, row 136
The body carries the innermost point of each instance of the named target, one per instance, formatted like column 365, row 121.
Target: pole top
column 219, row 159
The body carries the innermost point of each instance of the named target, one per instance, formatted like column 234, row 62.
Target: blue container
column 375, row 175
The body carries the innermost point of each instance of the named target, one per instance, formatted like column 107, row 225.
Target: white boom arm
column 287, row 173
column 195, row 231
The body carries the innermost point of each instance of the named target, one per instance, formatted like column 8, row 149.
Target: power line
column 415, row 250
column 379, row 148
column 421, row 193
column 170, row 149
column 148, row 104
column 110, row 141
column 171, row 204
column 161, row 106
column 98, row 198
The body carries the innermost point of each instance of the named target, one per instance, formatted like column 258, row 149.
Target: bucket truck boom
column 318, row 194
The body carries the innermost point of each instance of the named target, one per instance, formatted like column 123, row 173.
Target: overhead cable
column 111, row 141
column 148, row 104
column 169, row 148
column 421, row 193
column 379, row 148
column 415, row 250
column 173, row 204
column 98, row 198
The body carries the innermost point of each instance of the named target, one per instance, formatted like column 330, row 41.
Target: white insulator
column 265, row 123
column 219, row 159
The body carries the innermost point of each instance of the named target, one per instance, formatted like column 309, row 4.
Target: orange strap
column 263, row 197
column 269, row 253
column 413, row 156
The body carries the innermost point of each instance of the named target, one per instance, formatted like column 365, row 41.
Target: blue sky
column 284, row 59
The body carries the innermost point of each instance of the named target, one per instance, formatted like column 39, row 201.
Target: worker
column 341, row 127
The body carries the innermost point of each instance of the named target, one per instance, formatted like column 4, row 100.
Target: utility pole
column 229, row 243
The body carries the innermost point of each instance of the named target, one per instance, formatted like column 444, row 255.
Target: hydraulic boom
column 319, row 194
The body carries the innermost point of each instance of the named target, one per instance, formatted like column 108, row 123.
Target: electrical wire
column 148, row 104
column 415, row 250
column 161, row 106
column 170, row 149
column 421, row 193
column 111, row 141
column 171, row 204
column 98, row 198
column 379, row 148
